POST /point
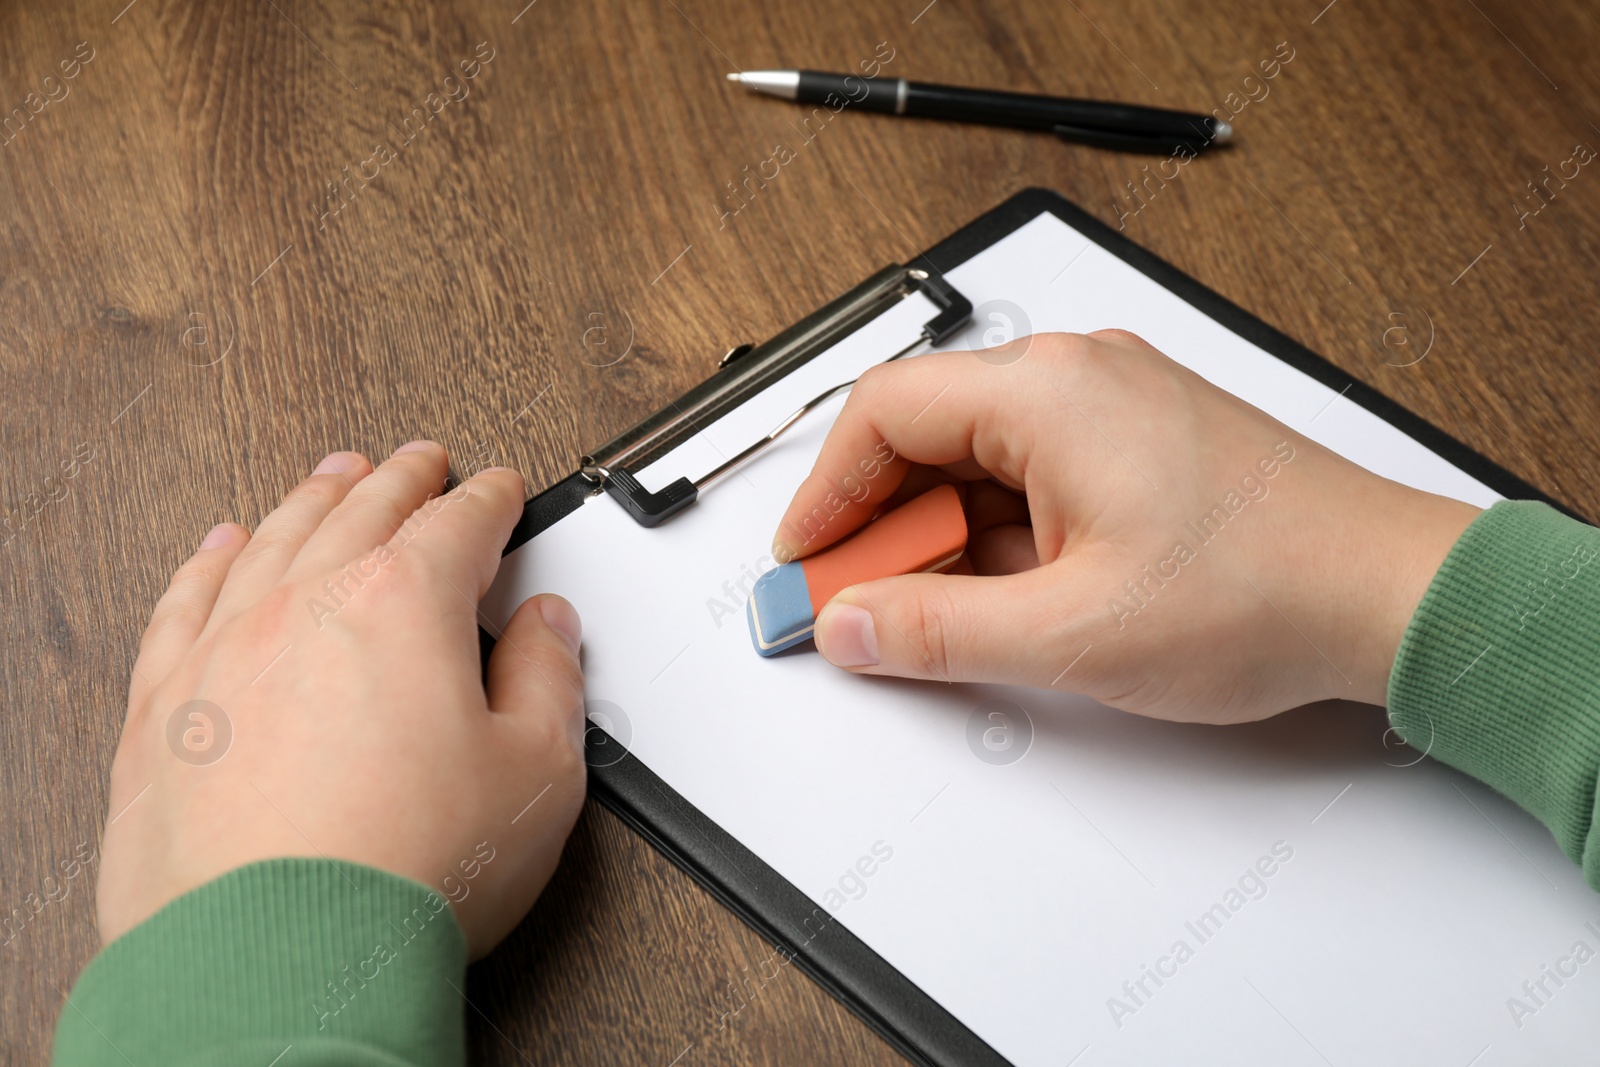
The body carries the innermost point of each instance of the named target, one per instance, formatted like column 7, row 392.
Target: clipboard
column 789, row 919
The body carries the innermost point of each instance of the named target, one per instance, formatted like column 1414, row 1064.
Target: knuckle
column 320, row 489
column 874, row 384
column 1117, row 336
column 179, row 614
column 930, row 628
column 270, row 541
column 478, row 500
column 306, row 504
column 1068, row 348
column 416, row 523
column 377, row 506
column 871, row 379
column 557, row 743
column 185, row 600
column 569, row 675
column 565, row 746
column 197, row 570
column 1074, row 359
column 498, row 486
column 560, row 675
column 406, row 473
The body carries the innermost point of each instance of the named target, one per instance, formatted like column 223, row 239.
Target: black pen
column 1128, row 127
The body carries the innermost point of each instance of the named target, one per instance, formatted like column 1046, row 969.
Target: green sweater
column 1498, row 675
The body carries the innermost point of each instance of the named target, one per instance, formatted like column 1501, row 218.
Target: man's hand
column 1137, row 534
column 315, row 690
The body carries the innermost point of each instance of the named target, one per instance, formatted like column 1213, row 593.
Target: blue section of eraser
column 779, row 609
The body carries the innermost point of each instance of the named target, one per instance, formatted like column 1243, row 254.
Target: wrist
column 1399, row 553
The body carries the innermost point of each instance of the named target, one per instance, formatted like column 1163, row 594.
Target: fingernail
column 415, row 446
column 336, row 463
column 218, row 537
column 562, row 617
column 846, row 636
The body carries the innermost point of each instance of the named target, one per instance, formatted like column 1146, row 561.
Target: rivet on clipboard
column 746, row 370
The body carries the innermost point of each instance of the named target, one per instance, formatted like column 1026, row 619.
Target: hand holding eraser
column 925, row 534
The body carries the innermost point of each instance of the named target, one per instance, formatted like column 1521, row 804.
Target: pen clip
column 1154, row 144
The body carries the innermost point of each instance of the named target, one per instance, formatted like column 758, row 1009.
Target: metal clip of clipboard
column 747, row 370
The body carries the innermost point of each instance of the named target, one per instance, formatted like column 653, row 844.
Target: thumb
column 534, row 669
column 948, row 628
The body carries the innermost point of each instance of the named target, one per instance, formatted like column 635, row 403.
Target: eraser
column 925, row 534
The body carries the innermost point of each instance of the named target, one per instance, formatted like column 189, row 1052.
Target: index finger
column 458, row 536
column 937, row 409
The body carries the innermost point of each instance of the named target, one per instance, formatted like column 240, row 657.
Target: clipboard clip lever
column 748, row 369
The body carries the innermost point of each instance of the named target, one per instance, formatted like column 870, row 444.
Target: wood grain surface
column 211, row 275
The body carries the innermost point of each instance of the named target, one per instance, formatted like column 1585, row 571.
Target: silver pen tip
column 784, row 83
column 1224, row 133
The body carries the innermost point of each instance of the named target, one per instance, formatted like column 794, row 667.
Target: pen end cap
column 1223, row 133
column 734, row 77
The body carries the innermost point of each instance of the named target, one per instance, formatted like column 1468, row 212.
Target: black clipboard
column 800, row 930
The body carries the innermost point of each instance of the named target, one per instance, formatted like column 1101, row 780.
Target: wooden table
column 212, row 275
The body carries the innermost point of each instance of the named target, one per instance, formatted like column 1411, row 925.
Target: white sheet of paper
column 1407, row 904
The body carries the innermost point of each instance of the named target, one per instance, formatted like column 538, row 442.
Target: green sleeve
column 341, row 963
column 1499, row 671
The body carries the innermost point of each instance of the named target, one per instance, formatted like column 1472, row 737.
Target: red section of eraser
column 925, row 534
